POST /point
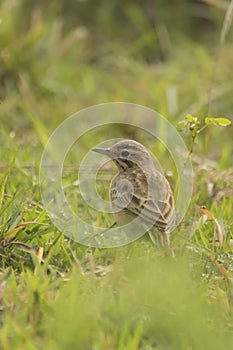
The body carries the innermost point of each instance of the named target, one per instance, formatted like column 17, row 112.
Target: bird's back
column 145, row 193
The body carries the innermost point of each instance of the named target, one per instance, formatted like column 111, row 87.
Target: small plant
column 194, row 126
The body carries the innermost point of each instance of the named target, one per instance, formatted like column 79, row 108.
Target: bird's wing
column 155, row 207
column 152, row 213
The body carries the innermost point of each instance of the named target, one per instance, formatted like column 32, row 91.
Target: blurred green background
column 57, row 58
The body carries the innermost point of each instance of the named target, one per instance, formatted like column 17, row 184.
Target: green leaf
column 217, row 121
column 4, row 180
column 191, row 119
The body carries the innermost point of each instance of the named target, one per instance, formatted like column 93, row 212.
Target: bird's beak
column 105, row 151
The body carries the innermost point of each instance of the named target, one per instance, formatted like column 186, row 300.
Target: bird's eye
column 125, row 154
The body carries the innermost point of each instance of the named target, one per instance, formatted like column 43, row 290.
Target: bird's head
column 127, row 154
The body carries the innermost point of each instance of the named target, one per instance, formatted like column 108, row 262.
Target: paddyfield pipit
column 138, row 189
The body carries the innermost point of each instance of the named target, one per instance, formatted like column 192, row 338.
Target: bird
column 139, row 189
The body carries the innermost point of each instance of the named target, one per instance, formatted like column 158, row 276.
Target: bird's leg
column 167, row 243
column 152, row 237
column 161, row 240
column 166, row 239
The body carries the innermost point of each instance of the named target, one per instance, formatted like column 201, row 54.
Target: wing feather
column 156, row 209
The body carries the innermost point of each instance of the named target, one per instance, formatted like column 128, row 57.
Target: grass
column 56, row 293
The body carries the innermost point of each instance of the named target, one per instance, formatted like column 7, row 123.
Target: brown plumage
column 139, row 189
